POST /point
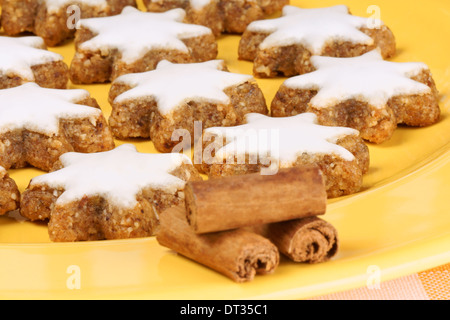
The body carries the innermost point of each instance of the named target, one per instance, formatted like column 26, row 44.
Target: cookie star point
column 19, row 55
column 38, row 109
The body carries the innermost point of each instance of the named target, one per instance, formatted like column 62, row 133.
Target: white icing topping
column 199, row 4
column 117, row 175
column 3, row 173
column 172, row 84
column 367, row 78
column 134, row 32
column 39, row 109
column 18, row 55
column 55, row 5
column 313, row 28
column 282, row 139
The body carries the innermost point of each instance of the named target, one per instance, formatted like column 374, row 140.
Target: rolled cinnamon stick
column 244, row 200
column 238, row 254
column 310, row 240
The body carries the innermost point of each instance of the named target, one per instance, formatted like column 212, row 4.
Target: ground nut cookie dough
column 366, row 93
column 26, row 59
column 114, row 194
column 283, row 46
column 37, row 125
column 202, row 12
column 231, row 16
column 135, row 41
column 54, row 20
column 9, row 193
column 265, row 144
column 154, row 104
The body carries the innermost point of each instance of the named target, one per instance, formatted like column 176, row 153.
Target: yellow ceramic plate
column 398, row 224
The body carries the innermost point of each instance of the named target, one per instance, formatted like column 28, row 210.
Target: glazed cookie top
column 282, row 139
column 18, row 55
column 366, row 78
column 313, row 28
column 117, row 175
column 172, row 84
column 38, row 109
column 133, row 32
column 198, row 4
column 56, row 5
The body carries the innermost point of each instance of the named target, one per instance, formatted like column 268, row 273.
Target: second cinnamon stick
column 244, row 200
column 237, row 254
column 308, row 240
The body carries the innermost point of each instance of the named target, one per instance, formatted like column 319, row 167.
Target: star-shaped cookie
column 172, row 84
column 26, row 59
column 220, row 15
column 265, row 144
column 39, row 124
column 55, row 20
column 283, row 45
column 177, row 95
column 135, row 41
column 366, row 93
column 107, row 195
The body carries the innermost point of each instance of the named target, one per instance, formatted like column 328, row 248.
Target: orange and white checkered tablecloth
column 433, row 284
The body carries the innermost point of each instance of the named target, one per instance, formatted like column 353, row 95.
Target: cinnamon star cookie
column 366, row 93
column 265, row 144
column 135, row 41
column 55, row 20
column 284, row 46
column 26, row 59
column 154, row 104
column 37, row 125
column 115, row 194
column 229, row 16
